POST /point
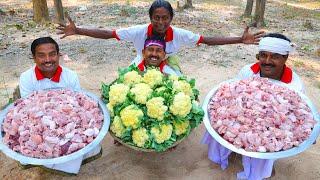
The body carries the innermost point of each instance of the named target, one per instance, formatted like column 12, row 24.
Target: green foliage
column 31, row 24
column 19, row 26
column 307, row 48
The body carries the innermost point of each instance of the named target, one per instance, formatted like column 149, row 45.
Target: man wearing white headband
column 274, row 50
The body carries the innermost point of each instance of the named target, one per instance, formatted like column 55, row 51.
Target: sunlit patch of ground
column 305, row 4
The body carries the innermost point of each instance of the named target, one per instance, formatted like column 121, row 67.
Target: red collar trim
column 142, row 67
column 286, row 76
column 55, row 78
column 161, row 66
column 255, row 68
column 169, row 33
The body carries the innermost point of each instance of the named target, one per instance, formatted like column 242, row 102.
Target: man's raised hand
column 67, row 30
column 248, row 38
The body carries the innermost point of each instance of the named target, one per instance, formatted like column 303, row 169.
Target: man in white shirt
column 161, row 15
column 46, row 74
column 154, row 54
column 175, row 38
column 274, row 50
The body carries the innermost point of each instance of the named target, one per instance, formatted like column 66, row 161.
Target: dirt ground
column 97, row 61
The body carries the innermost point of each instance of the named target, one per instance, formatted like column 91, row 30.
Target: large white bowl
column 267, row 155
column 29, row 160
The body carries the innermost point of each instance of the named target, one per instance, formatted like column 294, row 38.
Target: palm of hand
column 70, row 29
column 248, row 38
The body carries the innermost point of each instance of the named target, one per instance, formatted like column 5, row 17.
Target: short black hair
column 43, row 40
column 277, row 35
column 158, row 4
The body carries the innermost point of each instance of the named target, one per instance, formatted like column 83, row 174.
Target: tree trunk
column 59, row 11
column 188, row 4
column 259, row 13
column 179, row 7
column 40, row 11
column 248, row 10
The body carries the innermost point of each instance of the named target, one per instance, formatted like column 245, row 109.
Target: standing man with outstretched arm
column 161, row 15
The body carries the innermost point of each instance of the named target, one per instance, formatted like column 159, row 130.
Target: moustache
column 48, row 63
column 267, row 65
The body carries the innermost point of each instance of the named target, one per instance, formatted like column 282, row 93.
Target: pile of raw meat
column 52, row 123
column 258, row 115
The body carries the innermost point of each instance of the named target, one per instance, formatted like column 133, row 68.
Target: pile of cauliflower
column 151, row 110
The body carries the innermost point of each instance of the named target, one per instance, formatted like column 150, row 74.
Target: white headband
column 275, row 45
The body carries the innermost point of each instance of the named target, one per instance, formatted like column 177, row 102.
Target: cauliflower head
column 118, row 93
column 156, row 108
column 162, row 133
column 181, row 105
column 131, row 116
column 132, row 77
column 117, row 127
column 140, row 137
column 153, row 77
column 181, row 127
column 141, row 92
column 182, row 86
